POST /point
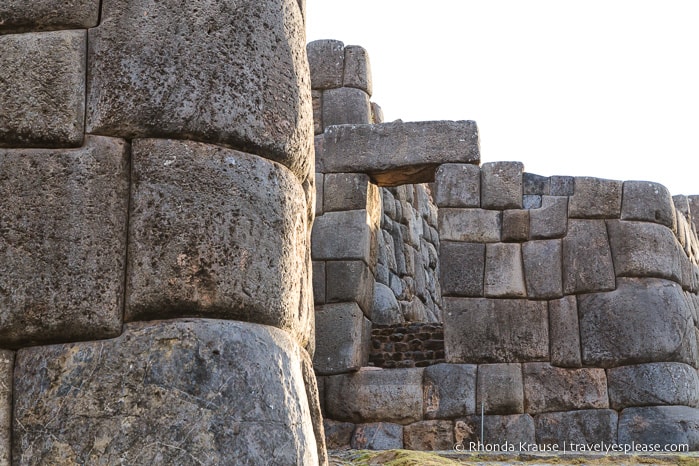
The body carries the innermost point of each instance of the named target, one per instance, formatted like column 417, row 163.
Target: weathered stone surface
column 317, row 101
column 350, row 281
column 326, row 60
column 42, row 82
column 551, row 219
column 500, row 389
column 532, row 201
column 643, row 320
column 346, row 106
column 348, row 191
column 458, row 185
column 462, row 267
column 319, row 282
column 429, row 436
column 660, row 383
column 338, row 435
column 63, row 221
column 449, row 390
column 474, row 225
column 562, row 185
column 587, row 259
column 585, row 427
column 664, row 425
column 385, row 309
column 515, row 225
column 694, row 206
column 501, row 185
column 497, row 430
column 548, row 388
column 377, row 436
column 342, row 235
column 596, row 198
column 564, row 332
column 397, row 153
column 342, row 338
column 7, row 362
column 480, row 330
column 504, row 274
column 313, row 396
column 76, row 396
column 357, row 69
column 43, row 15
column 375, row 395
column 649, row 202
column 208, row 78
column 535, row 184
column 376, row 113
column 542, row 268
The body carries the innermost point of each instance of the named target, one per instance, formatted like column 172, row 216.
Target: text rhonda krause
column 601, row 447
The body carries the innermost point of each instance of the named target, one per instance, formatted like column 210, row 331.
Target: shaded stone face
column 40, row 15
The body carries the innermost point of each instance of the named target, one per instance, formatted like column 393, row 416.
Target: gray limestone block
column 535, row 184
column 643, row 320
column 317, row 101
column 180, row 382
column 681, row 203
column 357, row 69
column 564, row 332
column 449, row 390
column 504, row 272
column 63, row 218
column 342, row 235
column 342, row 334
column 480, row 330
column 548, row 388
column 500, row 389
column 648, row 202
column 429, row 436
column 319, row 197
column 497, row 430
column 663, row 425
column 587, row 258
column 501, row 185
column 338, row 435
column 473, row 225
column 42, row 77
column 644, row 249
column 164, row 68
column 214, row 232
column 326, row 60
column 596, row 198
column 532, row 201
column 462, row 268
column 515, row 225
column 551, row 219
column 397, row 153
column 313, row 396
column 346, row 106
column 458, row 185
column 7, row 363
column 660, row 383
column 44, row 15
column 542, row 268
column 376, row 113
column 584, row 427
column 350, row 281
column 376, row 395
column 348, row 191
column 319, row 282
column 562, row 185
column 386, row 309
column 377, row 436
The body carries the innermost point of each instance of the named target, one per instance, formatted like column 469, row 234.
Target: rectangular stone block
column 348, row 191
column 346, row 106
column 562, row 185
column 550, row 220
column 338, row 435
column 317, row 102
column 326, row 60
column 45, row 72
column 532, row 201
column 319, row 282
column 564, row 332
column 429, row 436
column 497, row 430
column 660, row 383
column 7, row 362
column 449, row 390
column 377, row 436
column 648, row 202
column 584, row 427
column 542, row 268
column 596, row 198
column 462, row 268
column 357, row 69
column 397, row 153
column 480, row 330
column 515, row 225
column 342, row 339
column 587, row 258
column 319, row 186
column 548, row 388
column 342, row 235
column 535, row 184
column 42, row 15
column 501, row 185
column 458, row 185
column 504, row 274
column 668, row 426
column 471, row 225
column 63, row 218
column 500, row 389
column 350, row 281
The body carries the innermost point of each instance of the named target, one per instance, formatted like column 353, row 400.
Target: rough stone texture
column 317, row 103
column 385, row 310
column 513, row 429
column 357, row 69
column 319, row 187
column 462, row 268
column 346, row 106
column 548, row 388
column 664, row 425
column 585, row 427
column 348, row 191
column 350, row 281
column 542, row 268
column 643, row 320
column 501, row 185
column 377, row 436
column 515, row 225
column 375, row 395
column 63, row 220
column 480, row 330
column 342, row 338
column 648, row 202
column 535, row 184
column 694, row 206
column 532, row 201
column 564, row 332
column 319, row 282
column 353, row 243
column 504, row 274
column 326, row 60
column 500, row 389
column 660, row 383
column 42, row 15
column 458, row 185
column 587, row 259
column 77, row 396
column 42, row 87
column 7, row 362
column 562, row 185
column 213, row 76
column 429, row 436
column 595, row 198
column 473, row 225
column 338, row 435
column 397, row 153
column 449, row 391
column 550, row 220
column 313, row 396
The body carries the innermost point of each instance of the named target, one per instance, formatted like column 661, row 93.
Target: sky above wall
column 605, row 88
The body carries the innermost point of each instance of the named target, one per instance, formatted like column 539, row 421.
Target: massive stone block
column 42, row 88
column 548, row 388
column 357, row 71
column 663, row 425
column 596, row 198
column 500, row 389
column 214, row 232
column 501, row 185
column 504, row 273
column 584, row 427
column 648, row 202
column 177, row 392
column 551, row 219
column 7, row 362
column 515, row 225
column 587, row 259
column 203, row 70
column 349, row 191
column 473, row 225
column 350, row 281
column 497, row 430
column 564, row 332
column 346, row 106
column 542, row 268
column 326, row 60
column 63, row 220
column 449, row 390
column 377, row 436
column 344, row 235
column 458, row 185
column 462, row 267
column 660, row 383
column 342, row 338
column 429, row 436
column 43, row 15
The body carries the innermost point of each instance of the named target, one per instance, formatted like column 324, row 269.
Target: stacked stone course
column 406, row 345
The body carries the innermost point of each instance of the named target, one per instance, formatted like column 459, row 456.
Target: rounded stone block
column 649, row 202
column 548, row 388
column 664, row 425
column 660, row 383
column 217, row 233
column 228, row 72
column 44, row 15
column 126, row 400
column 586, row 427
